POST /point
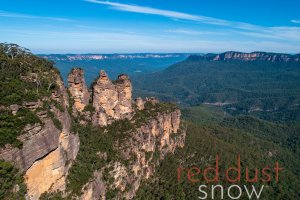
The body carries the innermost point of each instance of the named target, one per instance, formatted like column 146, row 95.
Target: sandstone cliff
column 140, row 153
column 136, row 134
column 111, row 100
column 129, row 138
column 48, row 151
column 78, row 89
column 254, row 56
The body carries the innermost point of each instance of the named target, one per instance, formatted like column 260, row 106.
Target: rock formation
column 124, row 89
column 148, row 144
column 78, row 89
column 111, row 101
column 47, row 152
column 259, row 56
column 139, row 102
column 49, row 173
column 49, row 149
column 37, row 141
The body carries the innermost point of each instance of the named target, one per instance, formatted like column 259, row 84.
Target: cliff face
column 37, row 141
column 143, row 150
column 78, row 89
column 254, row 56
column 49, row 148
column 111, row 100
column 48, row 173
column 48, row 151
column 155, row 131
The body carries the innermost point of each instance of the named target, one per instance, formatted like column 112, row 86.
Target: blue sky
column 95, row 26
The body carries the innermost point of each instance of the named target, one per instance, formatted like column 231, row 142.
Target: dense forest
column 268, row 90
column 212, row 132
column 24, row 77
column 255, row 113
column 233, row 107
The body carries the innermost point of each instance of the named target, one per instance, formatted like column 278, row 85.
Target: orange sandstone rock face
column 78, row 89
column 147, row 144
column 43, row 173
column 49, row 173
column 47, row 152
column 112, row 101
column 124, row 89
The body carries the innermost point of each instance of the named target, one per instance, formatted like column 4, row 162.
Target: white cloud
column 106, row 41
column 272, row 33
column 225, row 35
column 195, row 32
column 25, row 16
column 160, row 12
column 296, row 21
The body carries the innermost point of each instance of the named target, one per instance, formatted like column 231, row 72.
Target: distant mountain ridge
column 253, row 56
column 74, row 57
column 254, row 83
column 229, row 55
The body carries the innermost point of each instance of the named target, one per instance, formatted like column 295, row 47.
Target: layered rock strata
column 78, row 89
column 49, row 148
column 111, row 100
column 144, row 149
column 254, row 56
column 37, row 140
column 47, row 152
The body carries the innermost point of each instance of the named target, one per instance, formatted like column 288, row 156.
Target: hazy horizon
column 131, row 53
column 138, row 26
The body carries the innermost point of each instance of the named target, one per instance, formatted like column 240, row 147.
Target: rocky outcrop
column 124, row 89
column 112, row 101
column 32, row 105
column 115, row 157
column 49, row 173
column 78, row 89
column 143, row 150
column 14, row 108
column 37, row 141
column 47, row 152
column 140, row 104
column 145, row 146
column 254, row 56
column 49, row 148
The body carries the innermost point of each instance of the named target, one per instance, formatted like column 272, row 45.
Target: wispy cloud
column 112, row 41
column 280, row 33
column 160, row 12
column 178, row 15
column 195, row 32
column 26, row 16
column 296, row 21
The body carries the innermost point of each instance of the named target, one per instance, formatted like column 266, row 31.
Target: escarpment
column 35, row 124
column 49, row 147
column 87, row 146
column 253, row 56
column 49, row 173
column 136, row 147
column 133, row 136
